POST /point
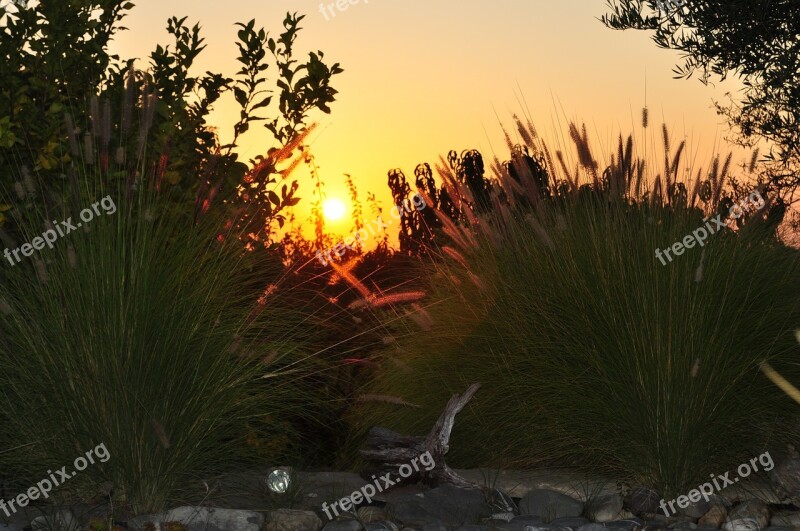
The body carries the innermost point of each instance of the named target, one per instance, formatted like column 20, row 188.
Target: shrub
column 144, row 332
column 146, row 335
column 61, row 91
column 590, row 352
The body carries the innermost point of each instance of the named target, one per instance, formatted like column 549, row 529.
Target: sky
column 423, row 77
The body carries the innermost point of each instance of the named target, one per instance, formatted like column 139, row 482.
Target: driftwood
column 389, row 450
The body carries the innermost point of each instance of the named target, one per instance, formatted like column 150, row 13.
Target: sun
column 333, row 209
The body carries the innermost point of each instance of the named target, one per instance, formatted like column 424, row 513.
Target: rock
column 751, row 515
column 549, row 505
column 58, row 521
column 517, row 483
column 695, row 509
column 381, row 526
column 785, row 520
column 592, row 527
column 9, row 527
column 683, row 526
column 642, row 500
column 785, row 477
column 474, row 528
column 503, row 517
column 603, row 508
column 742, row 524
column 319, row 487
column 447, row 505
column 518, row 523
column 291, row 520
column 527, row 519
column 569, row 521
column 371, row 514
column 672, row 508
column 500, row 502
column 628, row 523
column 667, row 521
column 500, row 524
column 204, row 518
column 715, row 517
column 434, row 527
column 343, row 525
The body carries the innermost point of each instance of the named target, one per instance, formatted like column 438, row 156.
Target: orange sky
column 426, row 76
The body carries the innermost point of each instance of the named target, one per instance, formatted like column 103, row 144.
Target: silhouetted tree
column 66, row 101
column 412, row 226
column 757, row 40
column 527, row 170
column 427, row 184
column 469, row 170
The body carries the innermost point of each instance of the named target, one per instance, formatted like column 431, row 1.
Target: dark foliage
column 755, row 40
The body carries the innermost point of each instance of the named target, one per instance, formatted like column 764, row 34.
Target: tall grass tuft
column 144, row 334
column 590, row 352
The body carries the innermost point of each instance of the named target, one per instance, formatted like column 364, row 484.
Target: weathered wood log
column 389, row 450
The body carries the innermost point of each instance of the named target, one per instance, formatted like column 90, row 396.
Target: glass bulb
column 279, row 480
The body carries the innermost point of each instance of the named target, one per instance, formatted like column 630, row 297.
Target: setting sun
column 333, row 209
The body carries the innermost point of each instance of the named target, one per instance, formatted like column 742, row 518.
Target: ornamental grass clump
column 156, row 338
column 590, row 352
column 152, row 329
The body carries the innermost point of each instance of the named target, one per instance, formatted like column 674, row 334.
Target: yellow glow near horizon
column 418, row 84
column 333, row 209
